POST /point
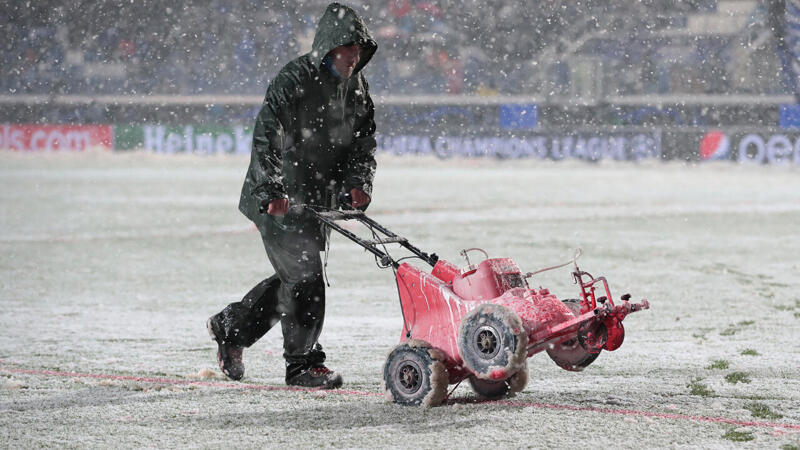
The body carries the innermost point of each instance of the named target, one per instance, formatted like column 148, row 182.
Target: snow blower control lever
column 381, row 235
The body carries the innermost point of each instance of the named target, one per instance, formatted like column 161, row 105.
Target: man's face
column 345, row 59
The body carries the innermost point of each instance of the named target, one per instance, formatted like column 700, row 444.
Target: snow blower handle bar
column 329, row 217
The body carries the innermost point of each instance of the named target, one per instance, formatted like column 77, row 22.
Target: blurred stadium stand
column 561, row 51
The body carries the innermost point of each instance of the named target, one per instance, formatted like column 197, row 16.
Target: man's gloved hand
column 278, row 207
column 359, row 198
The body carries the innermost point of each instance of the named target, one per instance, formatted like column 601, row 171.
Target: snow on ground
column 110, row 264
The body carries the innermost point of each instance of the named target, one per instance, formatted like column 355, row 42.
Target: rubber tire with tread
column 408, row 374
column 570, row 355
column 486, row 341
column 490, row 390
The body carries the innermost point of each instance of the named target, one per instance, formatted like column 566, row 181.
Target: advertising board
column 764, row 146
column 206, row 140
column 52, row 138
column 591, row 145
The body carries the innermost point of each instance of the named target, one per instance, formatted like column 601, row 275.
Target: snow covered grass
column 110, row 264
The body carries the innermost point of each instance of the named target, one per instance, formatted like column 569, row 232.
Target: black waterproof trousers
column 295, row 296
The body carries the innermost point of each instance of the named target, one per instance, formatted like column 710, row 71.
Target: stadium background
column 113, row 260
column 700, row 79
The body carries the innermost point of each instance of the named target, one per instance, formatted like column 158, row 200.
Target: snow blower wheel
column 490, row 390
column 492, row 342
column 572, row 355
column 495, row 390
column 410, row 376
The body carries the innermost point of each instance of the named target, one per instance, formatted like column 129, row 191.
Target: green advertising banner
column 204, row 140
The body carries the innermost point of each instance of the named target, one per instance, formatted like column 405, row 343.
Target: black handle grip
column 345, row 200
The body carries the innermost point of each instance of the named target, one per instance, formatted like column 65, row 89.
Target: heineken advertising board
column 206, row 140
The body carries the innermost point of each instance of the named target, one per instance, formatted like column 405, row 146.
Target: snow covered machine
column 482, row 321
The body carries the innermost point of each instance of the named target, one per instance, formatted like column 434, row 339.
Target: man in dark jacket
column 313, row 140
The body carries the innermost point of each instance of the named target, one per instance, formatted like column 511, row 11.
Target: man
column 313, row 140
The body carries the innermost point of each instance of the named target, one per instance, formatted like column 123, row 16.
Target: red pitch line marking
column 657, row 415
column 261, row 387
column 156, row 380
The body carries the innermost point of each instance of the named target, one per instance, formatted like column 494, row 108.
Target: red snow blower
column 481, row 322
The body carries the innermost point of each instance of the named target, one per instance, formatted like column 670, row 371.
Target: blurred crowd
column 483, row 47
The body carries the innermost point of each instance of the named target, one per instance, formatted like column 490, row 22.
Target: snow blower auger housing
column 481, row 322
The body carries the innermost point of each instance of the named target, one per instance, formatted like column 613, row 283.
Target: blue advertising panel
column 518, row 116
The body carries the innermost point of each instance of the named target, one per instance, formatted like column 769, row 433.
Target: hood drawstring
column 325, row 262
column 343, row 96
column 341, row 88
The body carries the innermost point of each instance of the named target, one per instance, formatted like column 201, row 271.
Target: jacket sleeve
column 361, row 159
column 270, row 138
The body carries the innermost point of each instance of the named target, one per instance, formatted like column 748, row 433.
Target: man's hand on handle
column 359, row 198
column 278, row 207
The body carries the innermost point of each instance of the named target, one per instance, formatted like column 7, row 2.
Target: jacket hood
column 341, row 25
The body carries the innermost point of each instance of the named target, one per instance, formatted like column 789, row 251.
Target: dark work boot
column 229, row 356
column 317, row 376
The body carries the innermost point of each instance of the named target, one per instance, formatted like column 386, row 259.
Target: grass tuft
column 738, row 436
column 749, row 352
column 762, row 411
column 736, row 327
column 737, row 377
column 719, row 364
column 697, row 388
column 701, row 333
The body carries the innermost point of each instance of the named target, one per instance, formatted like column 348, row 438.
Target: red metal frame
column 433, row 305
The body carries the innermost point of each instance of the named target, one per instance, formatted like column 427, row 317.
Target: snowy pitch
column 110, row 264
